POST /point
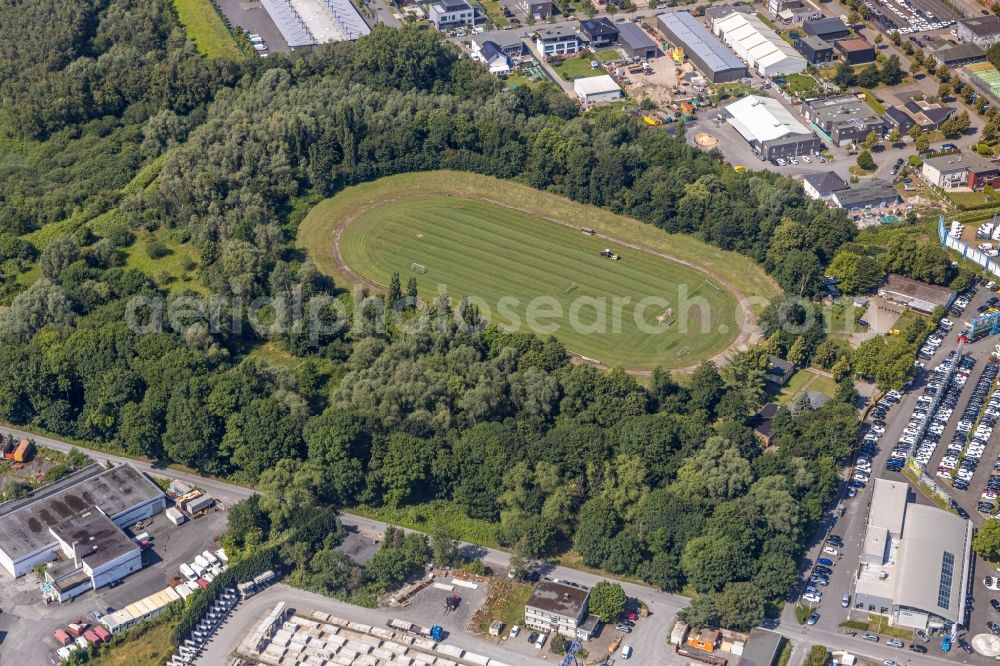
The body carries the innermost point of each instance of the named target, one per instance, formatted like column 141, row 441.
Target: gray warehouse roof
column 99, row 539
column 634, row 36
column 982, row 26
column 698, row 39
column 25, row 529
column 932, row 563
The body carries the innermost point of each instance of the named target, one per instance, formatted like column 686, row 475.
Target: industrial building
column 826, row 28
column 596, row 89
column 540, row 9
column 855, row 51
column 816, row 50
column 845, row 119
column 983, row 31
column 958, row 56
column 770, row 129
column 141, row 610
column 560, row 607
column 758, row 46
column 635, row 42
column 916, row 295
column 868, row 194
column 914, row 567
column 309, row 22
column 80, row 517
column 708, row 54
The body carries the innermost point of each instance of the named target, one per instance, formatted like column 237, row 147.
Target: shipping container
column 62, row 637
column 175, row 516
column 92, row 636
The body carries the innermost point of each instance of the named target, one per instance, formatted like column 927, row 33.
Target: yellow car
column 894, row 331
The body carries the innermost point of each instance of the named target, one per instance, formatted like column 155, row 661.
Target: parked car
column 627, row 652
column 812, row 619
column 870, row 637
column 845, row 601
column 919, row 649
column 895, row 642
column 825, row 561
column 514, row 631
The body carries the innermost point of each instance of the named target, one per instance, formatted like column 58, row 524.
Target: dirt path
column 749, row 332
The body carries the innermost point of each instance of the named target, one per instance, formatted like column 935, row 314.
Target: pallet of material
column 395, row 647
column 476, row 658
column 450, row 650
column 343, row 660
column 360, row 648
column 374, row 641
column 357, row 626
column 382, row 653
column 464, row 583
column 425, row 643
column 440, row 661
column 321, row 616
column 337, row 641
column 384, row 633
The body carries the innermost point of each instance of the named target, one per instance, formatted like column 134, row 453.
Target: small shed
column 496, row 626
column 706, row 640
column 679, row 633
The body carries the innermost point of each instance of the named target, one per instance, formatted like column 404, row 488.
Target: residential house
column 450, row 13
column 558, row 40
column 600, row 32
column 821, row 186
column 508, row 42
column 927, row 115
column 960, row 170
column 761, row 422
column 826, row 28
column 855, row 51
column 540, row 9
column 898, row 118
column 560, row 607
column 779, row 370
column 489, row 52
column 815, row 49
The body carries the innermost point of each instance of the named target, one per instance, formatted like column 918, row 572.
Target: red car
column 632, row 616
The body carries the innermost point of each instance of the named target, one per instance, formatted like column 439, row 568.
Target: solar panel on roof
column 696, row 37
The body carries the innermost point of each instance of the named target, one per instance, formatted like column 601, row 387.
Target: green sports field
column 447, row 228
column 478, row 249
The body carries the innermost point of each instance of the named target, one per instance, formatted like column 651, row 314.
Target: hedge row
column 240, row 572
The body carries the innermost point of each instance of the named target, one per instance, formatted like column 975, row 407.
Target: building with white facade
column 770, row 129
column 915, row 561
column 594, row 89
column 821, row 186
column 983, row 31
column 558, row 40
column 757, row 45
column 87, row 508
column 560, row 607
column 450, row 13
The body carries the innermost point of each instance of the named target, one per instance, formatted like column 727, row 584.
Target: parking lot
column 26, row 624
column 885, row 432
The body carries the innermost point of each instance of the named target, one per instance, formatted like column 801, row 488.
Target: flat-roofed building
column 560, row 607
column 915, row 559
column 450, row 13
column 826, row 28
column 712, row 58
column 558, row 40
column 815, row 49
column 958, row 56
column 121, row 493
column 855, row 51
column 983, row 31
column 844, row 118
column 770, row 129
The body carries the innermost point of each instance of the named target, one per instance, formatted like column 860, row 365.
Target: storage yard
column 317, row 637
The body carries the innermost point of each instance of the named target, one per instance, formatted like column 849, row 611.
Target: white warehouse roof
column 595, row 85
column 759, row 46
column 763, row 119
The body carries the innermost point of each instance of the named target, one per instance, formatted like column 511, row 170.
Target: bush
column 155, row 249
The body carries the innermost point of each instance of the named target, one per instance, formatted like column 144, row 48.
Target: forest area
column 663, row 482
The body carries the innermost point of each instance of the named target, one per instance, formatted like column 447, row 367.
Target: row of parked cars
column 967, row 447
column 935, row 339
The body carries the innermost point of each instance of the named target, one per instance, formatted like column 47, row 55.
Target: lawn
column 574, row 68
column 317, row 229
column 149, row 648
column 205, row 28
column 608, row 55
column 800, row 83
column 970, row 198
column 806, row 380
column 175, row 271
column 516, row 264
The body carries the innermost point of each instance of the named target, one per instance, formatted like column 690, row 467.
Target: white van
column 626, row 651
